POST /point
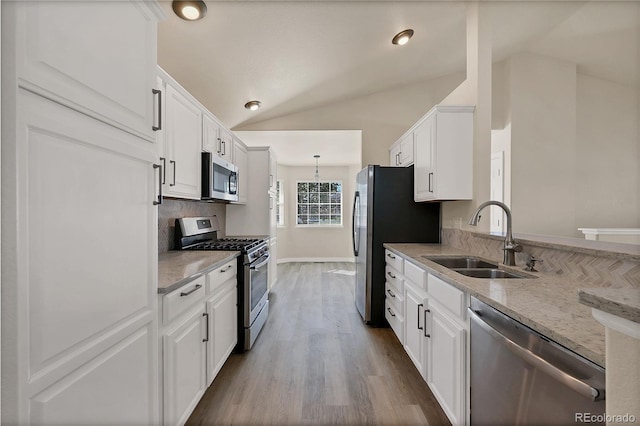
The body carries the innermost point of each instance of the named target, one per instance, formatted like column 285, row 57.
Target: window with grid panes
column 280, row 203
column 319, row 203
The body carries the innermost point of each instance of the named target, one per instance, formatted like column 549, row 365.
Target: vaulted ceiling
column 295, row 56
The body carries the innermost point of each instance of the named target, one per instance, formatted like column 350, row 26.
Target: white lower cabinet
column 446, row 364
column 435, row 336
column 199, row 333
column 185, row 366
column 223, row 327
column 416, row 342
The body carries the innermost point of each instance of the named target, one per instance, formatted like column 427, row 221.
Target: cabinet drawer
column 394, row 277
column 416, row 275
column 395, row 297
column 396, row 321
column 394, row 260
column 176, row 302
column 447, row 295
column 221, row 274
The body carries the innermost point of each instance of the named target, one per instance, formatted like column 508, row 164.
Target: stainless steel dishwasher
column 519, row 377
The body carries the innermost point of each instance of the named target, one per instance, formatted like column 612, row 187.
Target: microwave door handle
column 233, row 181
column 261, row 264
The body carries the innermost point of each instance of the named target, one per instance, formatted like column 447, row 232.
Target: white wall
column 575, row 142
column 608, row 152
column 383, row 117
column 297, row 243
column 543, row 145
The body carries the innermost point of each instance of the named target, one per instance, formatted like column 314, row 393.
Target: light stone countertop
column 177, row 268
column 548, row 304
column 623, row 302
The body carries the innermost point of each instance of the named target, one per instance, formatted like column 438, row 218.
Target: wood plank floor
column 316, row 363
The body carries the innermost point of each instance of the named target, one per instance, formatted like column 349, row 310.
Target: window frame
column 320, row 225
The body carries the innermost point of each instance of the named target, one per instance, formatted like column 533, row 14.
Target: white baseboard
column 317, row 259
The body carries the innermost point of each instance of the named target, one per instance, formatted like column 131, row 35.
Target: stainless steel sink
column 488, row 273
column 455, row 262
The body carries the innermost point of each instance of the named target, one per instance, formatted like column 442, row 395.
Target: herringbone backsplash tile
column 602, row 271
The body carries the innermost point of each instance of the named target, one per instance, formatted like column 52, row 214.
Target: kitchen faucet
column 510, row 246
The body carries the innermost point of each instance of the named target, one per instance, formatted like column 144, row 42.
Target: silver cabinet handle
column 419, row 328
column 391, row 312
column 226, row 269
column 391, row 293
column 186, row 293
column 159, row 126
column 391, row 256
column 563, row 377
column 219, row 148
column 399, row 160
column 164, row 170
column 430, row 178
column 224, row 147
column 206, row 339
column 391, row 275
column 159, row 201
column 425, row 323
column 174, row 172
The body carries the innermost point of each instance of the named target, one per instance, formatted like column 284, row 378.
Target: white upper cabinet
column 257, row 216
column 71, row 52
column 241, row 160
column 182, row 140
column 210, row 134
column 443, row 154
column 401, row 152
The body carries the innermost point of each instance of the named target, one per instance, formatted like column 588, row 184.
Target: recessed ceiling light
column 402, row 37
column 191, row 10
column 253, row 105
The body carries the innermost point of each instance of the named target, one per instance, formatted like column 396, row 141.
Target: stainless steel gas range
column 201, row 233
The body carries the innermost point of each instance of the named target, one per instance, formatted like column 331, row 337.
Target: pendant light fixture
column 317, row 174
column 189, row 10
column 402, row 37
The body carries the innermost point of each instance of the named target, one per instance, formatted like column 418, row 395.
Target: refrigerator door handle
column 354, row 229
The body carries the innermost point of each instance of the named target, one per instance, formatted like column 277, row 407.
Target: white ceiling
column 295, row 56
column 297, row 147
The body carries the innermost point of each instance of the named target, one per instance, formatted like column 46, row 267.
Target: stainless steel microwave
column 219, row 178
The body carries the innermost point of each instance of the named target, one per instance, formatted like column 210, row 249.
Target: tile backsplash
column 170, row 210
column 589, row 266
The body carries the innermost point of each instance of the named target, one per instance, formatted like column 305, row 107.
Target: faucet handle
column 531, row 263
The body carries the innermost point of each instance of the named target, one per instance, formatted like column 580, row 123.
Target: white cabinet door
column 112, row 388
column 414, row 339
column 96, row 57
column 226, row 145
column 223, row 327
column 273, row 171
column 424, row 167
column 73, row 301
column 185, row 367
column 183, row 144
column 405, row 155
column 210, row 135
column 446, row 362
column 394, row 155
column 443, row 148
column 241, row 160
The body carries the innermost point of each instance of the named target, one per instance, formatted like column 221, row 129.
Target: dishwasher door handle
column 577, row 385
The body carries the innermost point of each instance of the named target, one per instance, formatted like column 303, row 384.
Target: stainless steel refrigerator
column 384, row 212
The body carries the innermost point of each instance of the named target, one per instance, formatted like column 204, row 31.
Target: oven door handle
column 261, row 264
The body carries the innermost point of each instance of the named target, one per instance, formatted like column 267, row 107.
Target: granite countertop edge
column 194, row 264
column 592, row 346
column 624, row 303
